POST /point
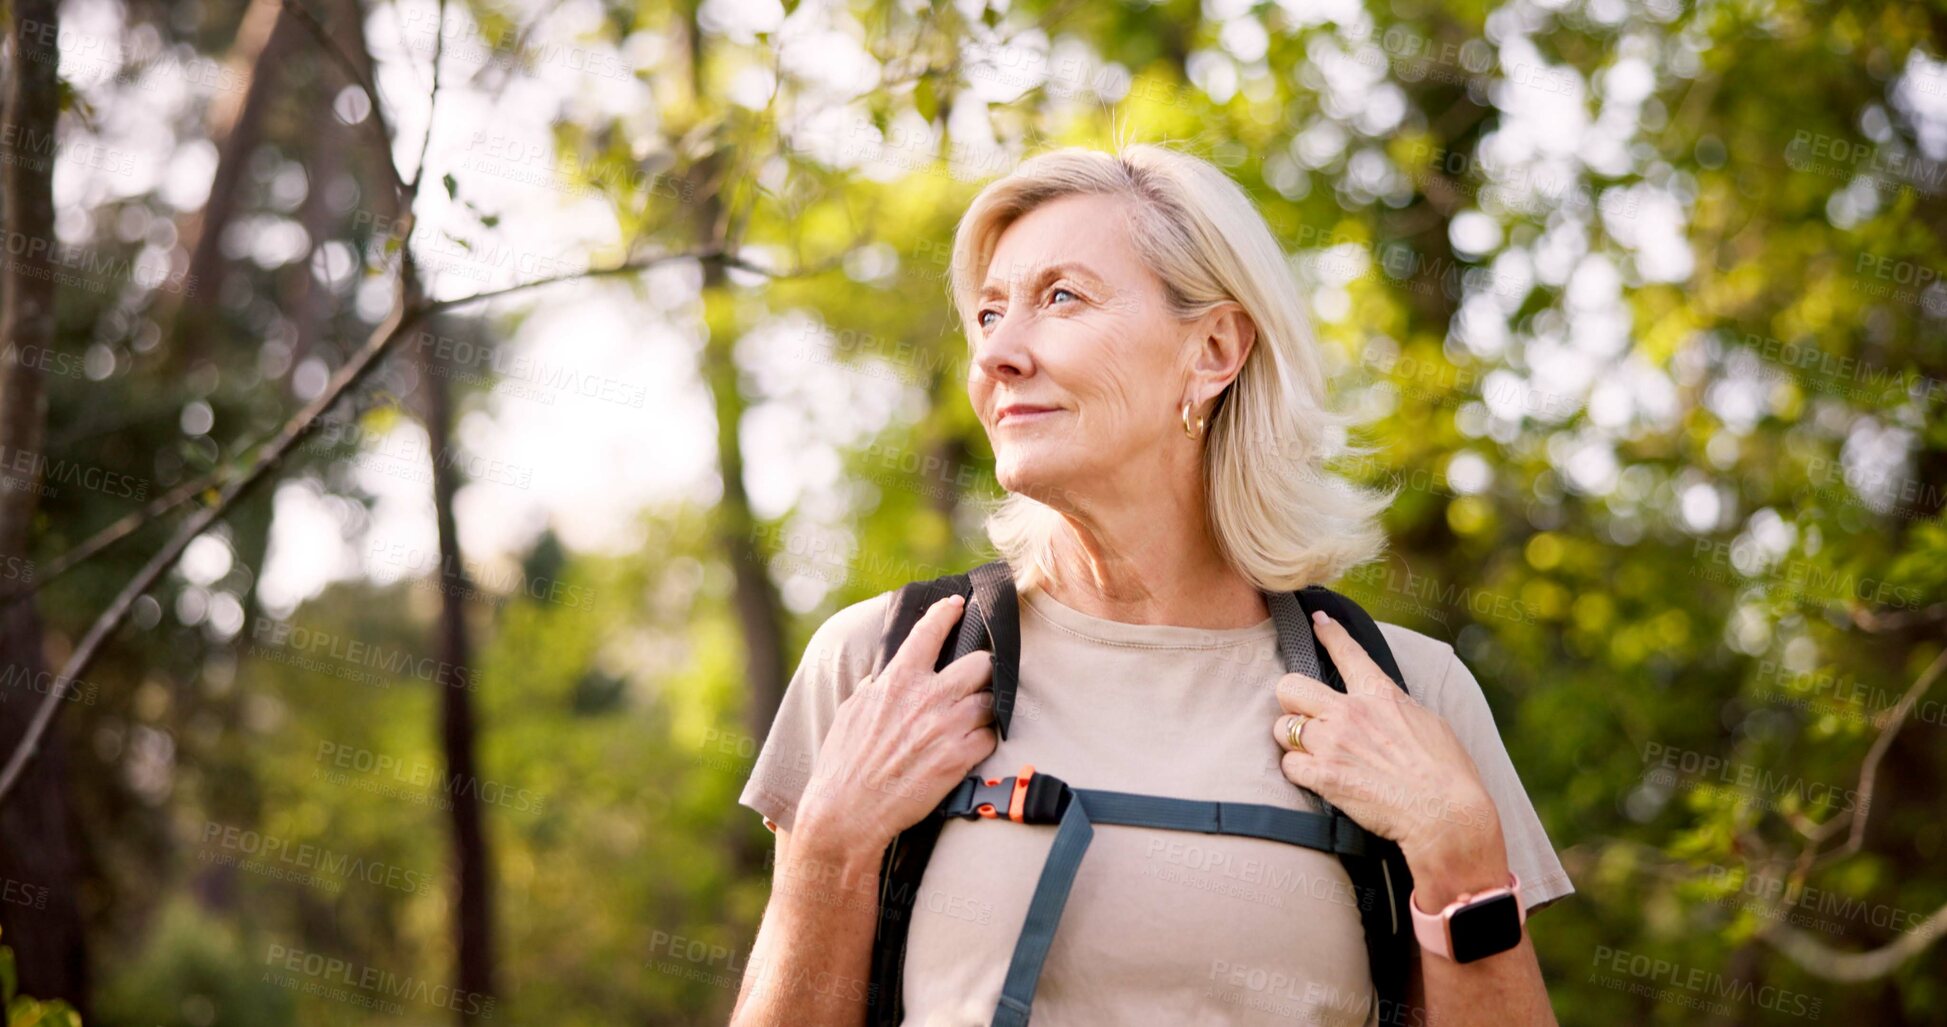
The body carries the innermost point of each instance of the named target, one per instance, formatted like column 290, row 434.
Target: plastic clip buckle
column 998, row 797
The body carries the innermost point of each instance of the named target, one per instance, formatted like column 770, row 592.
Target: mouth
column 1022, row 412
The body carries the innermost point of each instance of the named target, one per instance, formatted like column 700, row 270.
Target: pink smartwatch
column 1473, row 926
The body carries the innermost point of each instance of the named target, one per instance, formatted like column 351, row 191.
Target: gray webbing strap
column 1044, row 913
column 1298, row 647
column 1327, row 833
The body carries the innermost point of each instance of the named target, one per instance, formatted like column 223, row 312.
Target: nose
column 1002, row 354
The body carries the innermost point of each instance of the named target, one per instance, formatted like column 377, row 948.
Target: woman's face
column 1079, row 370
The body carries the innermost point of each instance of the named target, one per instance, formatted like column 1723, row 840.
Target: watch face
column 1480, row 929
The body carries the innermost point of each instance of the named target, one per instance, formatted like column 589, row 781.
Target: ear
column 1223, row 341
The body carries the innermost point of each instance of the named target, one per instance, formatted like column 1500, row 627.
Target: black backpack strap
column 1359, row 624
column 997, row 609
column 1034, row 798
column 1376, row 866
column 908, row 604
column 1380, row 877
column 991, row 621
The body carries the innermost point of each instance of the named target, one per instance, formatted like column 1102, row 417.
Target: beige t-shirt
column 1160, row 926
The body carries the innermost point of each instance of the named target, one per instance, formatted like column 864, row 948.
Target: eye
column 1059, row 289
column 981, row 318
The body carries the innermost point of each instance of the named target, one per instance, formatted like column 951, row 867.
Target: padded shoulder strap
column 992, row 622
column 1383, row 881
column 905, row 609
column 998, row 610
column 1362, row 627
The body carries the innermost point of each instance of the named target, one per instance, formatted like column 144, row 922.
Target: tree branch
column 124, row 526
column 350, row 68
column 1869, row 768
column 408, row 310
column 432, row 108
column 1822, row 960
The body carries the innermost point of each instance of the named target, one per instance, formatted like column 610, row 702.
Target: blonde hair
column 1279, row 516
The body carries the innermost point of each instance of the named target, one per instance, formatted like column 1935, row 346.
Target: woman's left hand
column 1387, row 761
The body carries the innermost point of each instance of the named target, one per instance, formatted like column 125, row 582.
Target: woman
column 1156, row 405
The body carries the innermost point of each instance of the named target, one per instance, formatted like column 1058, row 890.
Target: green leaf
column 926, row 99
column 452, row 185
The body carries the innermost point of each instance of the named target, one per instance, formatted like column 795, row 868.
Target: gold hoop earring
column 1198, row 433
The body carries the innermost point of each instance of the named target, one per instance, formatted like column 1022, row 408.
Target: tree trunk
column 37, row 854
column 236, row 121
column 473, row 904
column 760, row 611
column 473, row 923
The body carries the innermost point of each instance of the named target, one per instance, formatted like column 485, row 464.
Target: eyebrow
column 1043, row 275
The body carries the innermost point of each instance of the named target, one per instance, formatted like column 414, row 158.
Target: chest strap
column 1031, row 798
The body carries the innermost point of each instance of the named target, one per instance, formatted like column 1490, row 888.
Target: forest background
column 431, row 430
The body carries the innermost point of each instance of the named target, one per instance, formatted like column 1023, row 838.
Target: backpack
column 991, row 621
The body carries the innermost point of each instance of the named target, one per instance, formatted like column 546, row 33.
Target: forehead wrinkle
column 1043, row 274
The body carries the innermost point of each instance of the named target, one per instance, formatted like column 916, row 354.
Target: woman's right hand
column 903, row 739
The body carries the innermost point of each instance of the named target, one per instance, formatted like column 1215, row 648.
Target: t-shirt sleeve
column 837, row 658
column 1459, row 700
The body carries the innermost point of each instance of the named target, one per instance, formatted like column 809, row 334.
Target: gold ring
column 1295, row 732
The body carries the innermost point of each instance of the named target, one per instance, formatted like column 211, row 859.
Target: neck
column 1143, row 565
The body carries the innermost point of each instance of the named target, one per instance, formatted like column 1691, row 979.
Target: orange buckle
column 1016, row 800
column 1019, row 800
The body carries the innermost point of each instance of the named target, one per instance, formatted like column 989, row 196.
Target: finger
column 1362, row 676
column 1300, row 769
column 965, row 676
column 1281, row 730
column 975, row 711
column 1302, row 693
column 922, row 646
column 979, row 744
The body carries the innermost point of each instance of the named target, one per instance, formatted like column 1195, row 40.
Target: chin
column 1032, row 475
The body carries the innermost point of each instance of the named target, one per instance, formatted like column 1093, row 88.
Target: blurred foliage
column 1641, row 302
column 24, row 1010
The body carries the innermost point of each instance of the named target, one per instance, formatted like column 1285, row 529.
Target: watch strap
column 1434, row 929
